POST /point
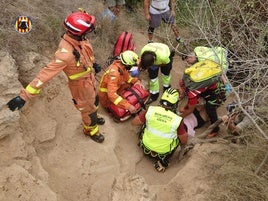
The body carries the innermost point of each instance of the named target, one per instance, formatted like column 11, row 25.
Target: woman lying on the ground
column 195, row 120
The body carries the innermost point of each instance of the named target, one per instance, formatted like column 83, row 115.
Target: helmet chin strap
column 78, row 38
column 128, row 67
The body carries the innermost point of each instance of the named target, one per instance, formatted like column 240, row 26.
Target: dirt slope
column 45, row 156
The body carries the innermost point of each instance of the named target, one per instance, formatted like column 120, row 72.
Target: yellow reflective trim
column 129, row 80
column 118, row 100
column 92, row 129
column 78, row 75
column 32, row 90
column 103, row 90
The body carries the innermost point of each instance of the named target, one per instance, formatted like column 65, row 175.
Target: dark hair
column 147, row 59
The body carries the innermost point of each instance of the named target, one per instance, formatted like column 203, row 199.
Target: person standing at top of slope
column 115, row 6
column 157, row 10
column 76, row 59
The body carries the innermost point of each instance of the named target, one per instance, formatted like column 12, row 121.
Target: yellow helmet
column 129, row 58
column 170, row 97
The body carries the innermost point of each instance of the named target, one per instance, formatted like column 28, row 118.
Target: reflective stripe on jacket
column 112, row 80
column 160, row 134
column 161, row 51
column 64, row 60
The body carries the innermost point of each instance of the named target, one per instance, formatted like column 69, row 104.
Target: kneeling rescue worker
column 164, row 130
column 76, row 59
column 116, row 79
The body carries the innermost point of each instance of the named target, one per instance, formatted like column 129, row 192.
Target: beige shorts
column 112, row 3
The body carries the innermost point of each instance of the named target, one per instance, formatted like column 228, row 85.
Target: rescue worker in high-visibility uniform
column 164, row 130
column 116, row 79
column 76, row 59
column 153, row 57
column 216, row 54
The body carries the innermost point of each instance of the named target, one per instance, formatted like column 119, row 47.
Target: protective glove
column 228, row 88
column 134, row 71
column 97, row 67
column 16, row 102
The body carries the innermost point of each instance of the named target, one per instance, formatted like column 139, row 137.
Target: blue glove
column 228, row 88
column 134, row 71
column 16, row 102
column 97, row 67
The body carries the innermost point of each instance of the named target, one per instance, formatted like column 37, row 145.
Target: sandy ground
column 45, row 155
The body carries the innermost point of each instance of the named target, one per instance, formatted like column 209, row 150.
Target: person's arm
column 112, row 88
column 182, row 134
column 146, row 5
column 186, row 110
column 139, row 119
column 181, row 89
column 45, row 74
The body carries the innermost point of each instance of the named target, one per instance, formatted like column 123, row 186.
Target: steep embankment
column 45, row 156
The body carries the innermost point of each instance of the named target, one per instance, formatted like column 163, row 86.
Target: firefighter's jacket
column 77, row 68
column 112, row 81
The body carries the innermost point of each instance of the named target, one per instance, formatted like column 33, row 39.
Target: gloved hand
column 97, row 67
column 228, row 88
column 16, row 102
column 134, row 71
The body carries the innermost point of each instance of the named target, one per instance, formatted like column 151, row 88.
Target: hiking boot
column 152, row 98
column 160, row 165
column 99, row 138
column 180, row 40
column 100, row 120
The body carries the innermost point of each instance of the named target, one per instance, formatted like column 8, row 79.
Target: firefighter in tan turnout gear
column 76, row 59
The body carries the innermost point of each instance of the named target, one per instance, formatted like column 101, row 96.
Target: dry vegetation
column 240, row 26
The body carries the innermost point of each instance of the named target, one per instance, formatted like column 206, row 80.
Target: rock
column 17, row 184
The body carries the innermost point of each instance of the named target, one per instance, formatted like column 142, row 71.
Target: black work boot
column 100, row 120
column 152, row 98
column 99, row 138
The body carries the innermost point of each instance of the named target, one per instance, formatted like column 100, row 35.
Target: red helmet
column 79, row 23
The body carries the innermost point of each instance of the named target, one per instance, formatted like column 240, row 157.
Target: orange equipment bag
column 136, row 96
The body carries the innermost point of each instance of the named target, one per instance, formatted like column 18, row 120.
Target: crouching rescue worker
column 116, row 79
column 76, row 59
column 164, row 130
column 153, row 57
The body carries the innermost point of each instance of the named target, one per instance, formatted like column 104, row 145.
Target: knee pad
column 94, row 118
column 150, row 30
